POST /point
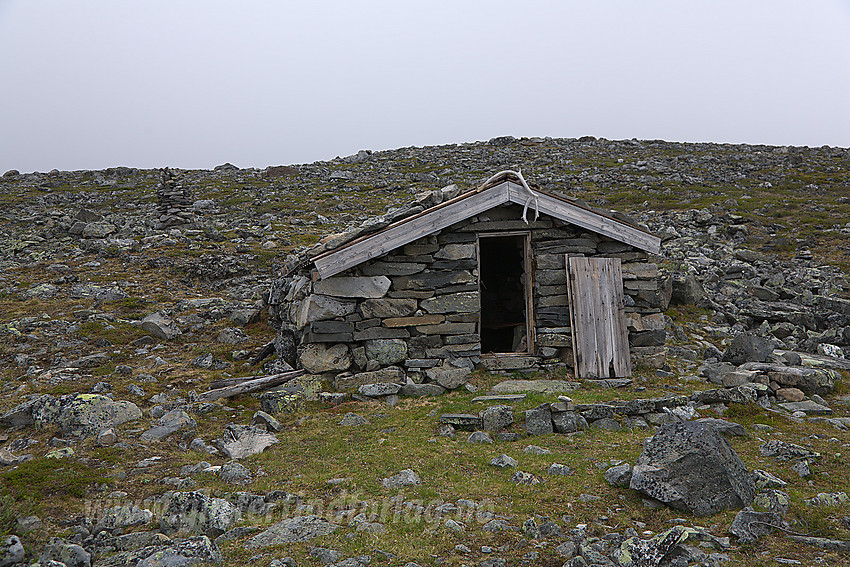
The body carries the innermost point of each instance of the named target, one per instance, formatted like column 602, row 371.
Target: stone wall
column 415, row 311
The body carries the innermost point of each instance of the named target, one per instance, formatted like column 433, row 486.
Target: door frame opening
column 521, row 240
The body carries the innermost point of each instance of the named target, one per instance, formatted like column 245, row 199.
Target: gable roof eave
column 589, row 219
column 470, row 204
column 407, row 230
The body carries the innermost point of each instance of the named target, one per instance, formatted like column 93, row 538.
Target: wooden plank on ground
column 255, row 385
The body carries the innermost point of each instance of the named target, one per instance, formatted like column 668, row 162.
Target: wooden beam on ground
column 251, row 385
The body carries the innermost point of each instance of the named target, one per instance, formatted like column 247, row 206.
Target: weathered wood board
column 600, row 339
column 467, row 205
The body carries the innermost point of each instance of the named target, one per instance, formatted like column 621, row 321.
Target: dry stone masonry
column 415, row 313
column 173, row 202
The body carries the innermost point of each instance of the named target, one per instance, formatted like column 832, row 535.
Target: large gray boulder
column 160, row 326
column 748, row 347
column 693, row 468
column 120, row 519
column 538, row 421
column 687, row 290
column 497, row 418
column 83, row 414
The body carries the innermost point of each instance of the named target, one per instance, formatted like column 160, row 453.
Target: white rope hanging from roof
column 532, row 199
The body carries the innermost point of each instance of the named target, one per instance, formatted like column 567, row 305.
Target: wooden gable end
column 470, row 204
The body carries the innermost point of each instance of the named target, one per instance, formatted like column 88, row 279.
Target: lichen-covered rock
column 197, row 513
column 386, row 351
column 636, row 552
column 448, row 376
column 233, row 472
column 749, row 525
column 568, row 422
column 121, row 518
column 317, row 358
column 748, row 347
column 72, row 555
column 691, row 467
column 299, row 528
column 84, row 414
column 538, row 421
column 199, row 549
column 496, row 418
column 23, row 414
column 11, row 552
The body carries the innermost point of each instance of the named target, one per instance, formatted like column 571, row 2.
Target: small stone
column 107, row 437
column 619, row 475
column 503, row 461
column 404, row 478
column 479, row 437
column 268, row 422
column 352, row 420
column 521, row 477
column 535, row 450
column 233, row 472
column 556, row 469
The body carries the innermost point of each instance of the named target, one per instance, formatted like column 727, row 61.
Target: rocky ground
column 126, row 293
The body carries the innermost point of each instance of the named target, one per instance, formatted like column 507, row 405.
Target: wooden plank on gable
column 584, row 218
column 382, row 242
column 600, row 342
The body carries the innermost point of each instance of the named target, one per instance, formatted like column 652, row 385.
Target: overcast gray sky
column 91, row 84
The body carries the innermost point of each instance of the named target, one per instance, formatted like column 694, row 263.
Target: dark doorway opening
column 503, row 294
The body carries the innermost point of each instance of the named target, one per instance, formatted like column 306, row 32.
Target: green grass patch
column 44, row 479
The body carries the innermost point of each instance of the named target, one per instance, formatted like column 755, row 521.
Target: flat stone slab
column 807, row 406
column 461, row 420
column 510, row 362
column 377, row 390
column 609, row 382
column 500, row 398
column 538, row 386
column 353, row 286
column 819, row 360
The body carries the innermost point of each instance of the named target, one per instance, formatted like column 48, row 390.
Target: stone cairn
column 173, row 202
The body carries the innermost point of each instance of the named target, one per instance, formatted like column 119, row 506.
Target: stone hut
column 503, row 277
